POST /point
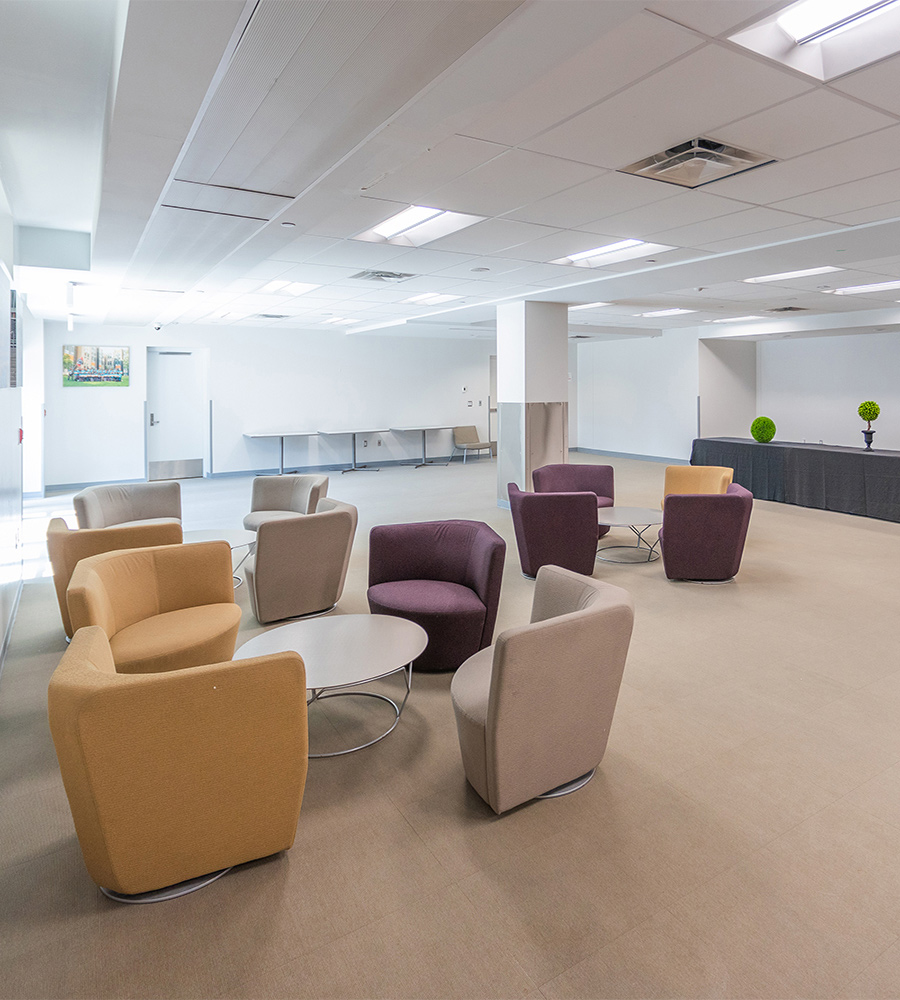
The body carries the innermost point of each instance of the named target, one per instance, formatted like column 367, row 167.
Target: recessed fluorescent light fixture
column 340, row 321
column 588, row 305
column 666, row 312
column 786, row 275
column 609, row 248
column 734, row 319
column 881, row 286
column 274, row 286
column 814, row 19
column 430, row 299
column 417, row 225
column 299, row 287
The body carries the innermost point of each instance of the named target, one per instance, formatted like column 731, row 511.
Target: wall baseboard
column 4, row 646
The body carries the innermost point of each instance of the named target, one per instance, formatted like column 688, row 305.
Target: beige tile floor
column 741, row 838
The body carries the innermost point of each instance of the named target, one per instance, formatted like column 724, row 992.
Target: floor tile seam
column 62, row 846
column 864, row 970
column 868, row 812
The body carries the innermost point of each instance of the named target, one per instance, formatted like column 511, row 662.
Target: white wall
column 261, row 380
column 728, row 391
column 812, row 387
column 639, row 396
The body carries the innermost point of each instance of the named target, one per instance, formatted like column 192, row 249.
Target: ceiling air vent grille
column 271, row 316
column 787, row 309
column 391, row 277
column 697, row 162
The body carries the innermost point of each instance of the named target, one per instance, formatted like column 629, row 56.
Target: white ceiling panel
column 708, row 88
column 878, row 85
column 847, row 161
column 493, row 235
column 355, row 253
column 354, row 216
column 811, row 121
column 609, row 193
column 424, row 261
column 889, row 210
column 752, row 220
column 797, row 231
column 714, row 17
column 684, row 208
column 842, row 198
column 498, row 269
column 317, row 274
column 303, row 248
column 511, row 180
column 609, row 63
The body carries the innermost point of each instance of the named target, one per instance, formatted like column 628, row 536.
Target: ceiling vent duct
column 697, row 162
column 787, row 309
column 391, row 277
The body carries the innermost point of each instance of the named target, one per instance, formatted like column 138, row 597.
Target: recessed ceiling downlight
column 697, row 162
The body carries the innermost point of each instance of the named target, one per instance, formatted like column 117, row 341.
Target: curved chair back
column 66, row 548
column 702, row 535
column 299, row 493
column 696, row 479
column 553, row 690
column 599, row 479
column 466, row 552
column 173, row 776
column 103, row 506
column 554, row 528
column 300, row 563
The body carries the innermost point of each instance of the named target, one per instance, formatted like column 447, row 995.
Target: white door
column 177, row 413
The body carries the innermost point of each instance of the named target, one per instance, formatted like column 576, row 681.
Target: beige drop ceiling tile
column 844, row 198
column 878, row 85
column 711, row 16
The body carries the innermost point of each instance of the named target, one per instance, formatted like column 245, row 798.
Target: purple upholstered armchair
column 702, row 535
column 597, row 479
column 557, row 529
column 443, row 575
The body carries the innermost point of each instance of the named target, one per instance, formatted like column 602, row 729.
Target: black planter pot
column 868, row 435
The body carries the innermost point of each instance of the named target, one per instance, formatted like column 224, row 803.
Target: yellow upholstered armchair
column 66, row 548
column 173, row 778
column 162, row 608
column 686, row 479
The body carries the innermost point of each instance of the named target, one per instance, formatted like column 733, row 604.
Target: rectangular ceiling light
column 786, row 275
column 612, row 253
column 299, row 287
column 430, row 299
column 417, row 225
column 813, row 19
column 666, row 312
column 589, row 305
column 881, row 286
column 609, row 248
column 274, row 286
column 734, row 319
column 340, row 321
column 415, row 215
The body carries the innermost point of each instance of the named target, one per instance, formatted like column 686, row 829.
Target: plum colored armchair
column 598, row 479
column 558, row 529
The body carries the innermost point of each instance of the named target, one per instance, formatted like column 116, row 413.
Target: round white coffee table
column 344, row 651
column 639, row 519
column 236, row 538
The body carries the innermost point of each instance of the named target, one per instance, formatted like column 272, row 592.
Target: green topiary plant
column 763, row 429
column 869, row 411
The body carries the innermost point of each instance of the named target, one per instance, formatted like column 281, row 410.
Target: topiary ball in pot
column 869, row 411
column 763, row 429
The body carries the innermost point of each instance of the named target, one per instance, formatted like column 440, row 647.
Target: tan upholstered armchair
column 162, row 608
column 684, row 479
column 66, row 548
column 172, row 777
column 280, row 497
column 130, row 503
column 534, row 710
column 300, row 565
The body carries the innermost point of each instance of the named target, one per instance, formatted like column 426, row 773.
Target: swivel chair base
column 167, row 892
column 568, row 787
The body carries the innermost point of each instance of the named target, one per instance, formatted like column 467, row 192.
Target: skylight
column 786, row 275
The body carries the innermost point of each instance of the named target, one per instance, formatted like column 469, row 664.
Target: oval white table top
column 619, row 517
column 236, row 537
column 343, row 650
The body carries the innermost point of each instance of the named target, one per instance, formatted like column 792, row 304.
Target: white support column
column 532, row 390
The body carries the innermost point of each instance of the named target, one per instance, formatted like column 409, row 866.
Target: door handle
column 153, row 421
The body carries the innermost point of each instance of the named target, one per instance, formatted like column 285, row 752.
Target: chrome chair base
column 167, row 892
column 569, row 786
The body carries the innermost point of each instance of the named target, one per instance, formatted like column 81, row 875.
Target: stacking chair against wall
column 696, row 479
column 66, row 548
column 282, row 497
column 442, row 575
column 599, row 479
column 300, row 564
column 127, row 504
column 162, row 608
column 465, row 439
column 558, row 529
column 702, row 535
column 534, row 710
column 172, row 778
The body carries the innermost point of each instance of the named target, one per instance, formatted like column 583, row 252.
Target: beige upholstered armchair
column 127, row 504
column 280, row 497
column 685, row 479
column 162, row 608
column 534, row 710
column 300, row 564
column 465, row 439
column 172, row 778
column 66, row 548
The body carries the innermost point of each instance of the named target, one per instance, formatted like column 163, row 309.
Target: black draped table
column 829, row 477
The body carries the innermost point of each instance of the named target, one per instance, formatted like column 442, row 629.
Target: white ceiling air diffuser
column 697, row 162
column 391, row 277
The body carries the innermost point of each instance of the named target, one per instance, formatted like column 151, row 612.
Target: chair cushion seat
column 451, row 614
column 188, row 637
column 145, row 520
column 255, row 518
column 605, row 502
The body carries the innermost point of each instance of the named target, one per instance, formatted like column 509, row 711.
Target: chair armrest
column 192, row 575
